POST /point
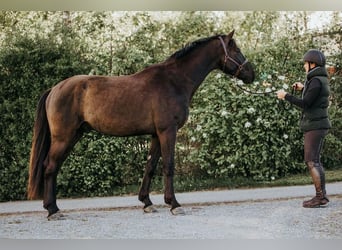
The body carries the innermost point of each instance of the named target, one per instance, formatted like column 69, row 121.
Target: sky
column 319, row 19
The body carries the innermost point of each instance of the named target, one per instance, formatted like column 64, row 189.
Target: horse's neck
column 198, row 67
column 195, row 68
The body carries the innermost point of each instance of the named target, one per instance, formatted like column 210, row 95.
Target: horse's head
column 233, row 61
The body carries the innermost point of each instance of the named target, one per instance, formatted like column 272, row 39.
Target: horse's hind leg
column 52, row 164
column 59, row 150
column 152, row 161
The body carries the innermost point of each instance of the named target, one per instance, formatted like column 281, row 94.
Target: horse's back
column 118, row 105
column 124, row 105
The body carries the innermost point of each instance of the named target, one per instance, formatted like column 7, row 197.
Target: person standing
column 314, row 122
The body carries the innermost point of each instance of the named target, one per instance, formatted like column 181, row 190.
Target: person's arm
column 310, row 96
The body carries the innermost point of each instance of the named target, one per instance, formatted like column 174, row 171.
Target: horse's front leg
column 152, row 161
column 167, row 140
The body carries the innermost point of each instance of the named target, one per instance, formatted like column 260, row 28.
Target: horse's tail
column 40, row 147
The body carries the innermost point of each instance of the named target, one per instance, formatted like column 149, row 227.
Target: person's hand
column 281, row 94
column 298, row 86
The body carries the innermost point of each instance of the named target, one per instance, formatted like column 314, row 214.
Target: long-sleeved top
column 314, row 101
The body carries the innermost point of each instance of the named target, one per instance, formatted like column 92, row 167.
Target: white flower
column 198, row 127
column 193, row 139
column 205, row 135
column 282, row 78
column 224, row 113
column 218, row 76
column 256, row 83
column 268, row 90
column 248, row 124
column 239, row 82
column 269, row 77
column 258, row 120
column 272, row 178
column 285, row 136
column 285, row 86
column 250, row 110
column 231, row 166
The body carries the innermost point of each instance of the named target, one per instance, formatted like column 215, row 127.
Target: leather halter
column 227, row 57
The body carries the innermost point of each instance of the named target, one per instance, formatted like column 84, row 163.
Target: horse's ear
column 230, row 35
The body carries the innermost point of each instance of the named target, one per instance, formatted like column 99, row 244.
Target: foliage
column 98, row 164
column 238, row 134
column 28, row 67
column 332, row 155
column 230, row 134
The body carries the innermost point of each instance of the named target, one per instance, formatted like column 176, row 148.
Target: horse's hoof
column 150, row 209
column 178, row 211
column 56, row 216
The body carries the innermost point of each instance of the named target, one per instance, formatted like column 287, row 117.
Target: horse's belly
column 121, row 123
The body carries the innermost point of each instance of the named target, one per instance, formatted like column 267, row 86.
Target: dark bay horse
column 153, row 101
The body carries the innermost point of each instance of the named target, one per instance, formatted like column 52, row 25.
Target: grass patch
column 191, row 183
column 305, row 179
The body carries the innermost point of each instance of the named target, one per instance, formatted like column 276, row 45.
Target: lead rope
column 283, row 104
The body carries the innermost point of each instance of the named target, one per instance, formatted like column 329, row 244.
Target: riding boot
column 322, row 174
column 318, row 178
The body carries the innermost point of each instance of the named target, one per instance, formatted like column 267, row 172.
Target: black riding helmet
column 315, row 56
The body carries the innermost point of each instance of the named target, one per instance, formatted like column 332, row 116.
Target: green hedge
column 29, row 66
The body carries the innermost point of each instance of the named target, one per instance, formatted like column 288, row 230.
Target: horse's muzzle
column 247, row 74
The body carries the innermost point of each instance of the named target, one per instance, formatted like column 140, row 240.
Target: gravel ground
column 268, row 219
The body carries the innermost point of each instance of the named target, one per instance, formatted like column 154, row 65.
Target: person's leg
column 313, row 142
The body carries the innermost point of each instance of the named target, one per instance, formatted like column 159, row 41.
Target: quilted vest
column 316, row 116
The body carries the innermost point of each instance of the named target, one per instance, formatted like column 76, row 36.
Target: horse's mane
column 191, row 46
